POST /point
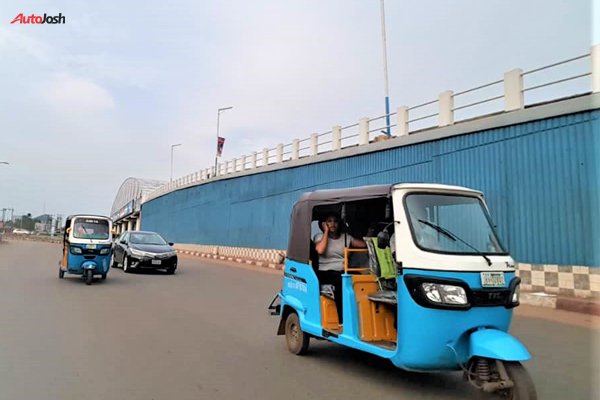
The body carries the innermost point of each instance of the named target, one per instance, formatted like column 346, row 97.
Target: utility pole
column 385, row 71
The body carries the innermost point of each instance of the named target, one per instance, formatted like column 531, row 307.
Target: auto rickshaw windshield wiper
column 455, row 238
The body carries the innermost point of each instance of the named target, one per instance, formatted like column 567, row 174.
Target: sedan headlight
column 444, row 294
column 76, row 250
column 140, row 253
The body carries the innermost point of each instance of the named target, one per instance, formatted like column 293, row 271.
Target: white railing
column 504, row 95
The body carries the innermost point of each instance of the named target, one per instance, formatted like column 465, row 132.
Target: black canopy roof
column 299, row 242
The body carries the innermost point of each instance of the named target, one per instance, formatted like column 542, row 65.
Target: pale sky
column 87, row 104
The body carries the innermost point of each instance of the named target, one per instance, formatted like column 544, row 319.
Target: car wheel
column 126, row 266
column 171, row 271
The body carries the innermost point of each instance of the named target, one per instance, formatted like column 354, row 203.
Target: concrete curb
column 263, row 264
column 541, row 299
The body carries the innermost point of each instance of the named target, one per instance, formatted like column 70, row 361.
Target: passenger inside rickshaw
column 373, row 279
column 91, row 229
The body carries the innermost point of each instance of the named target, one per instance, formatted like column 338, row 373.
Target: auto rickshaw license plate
column 90, row 246
column 492, row 279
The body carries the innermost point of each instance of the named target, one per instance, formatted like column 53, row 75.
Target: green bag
column 387, row 266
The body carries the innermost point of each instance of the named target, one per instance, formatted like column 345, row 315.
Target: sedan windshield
column 452, row 224
column 146, row 238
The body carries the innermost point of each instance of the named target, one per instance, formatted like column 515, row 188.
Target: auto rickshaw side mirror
column 383, row 239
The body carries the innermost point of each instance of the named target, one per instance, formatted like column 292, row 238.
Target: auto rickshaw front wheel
column 524, row 388
column 89, row 276
column 297, row 340
column 501, row 379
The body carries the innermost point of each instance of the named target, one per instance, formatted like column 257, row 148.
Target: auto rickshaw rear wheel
column 103, row 276
column 89, row 276
column 61, row 273
column 297, row 340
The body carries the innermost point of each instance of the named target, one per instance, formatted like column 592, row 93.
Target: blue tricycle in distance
column 87, row 247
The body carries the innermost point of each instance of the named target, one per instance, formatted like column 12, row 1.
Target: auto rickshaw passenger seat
column 382, row 265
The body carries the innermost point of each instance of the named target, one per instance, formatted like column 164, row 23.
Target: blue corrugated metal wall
column 541, row 180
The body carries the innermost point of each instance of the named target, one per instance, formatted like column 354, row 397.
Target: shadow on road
column 382, row 372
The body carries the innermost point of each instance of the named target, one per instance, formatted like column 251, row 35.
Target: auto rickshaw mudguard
column 89, row 265
column 498, row 345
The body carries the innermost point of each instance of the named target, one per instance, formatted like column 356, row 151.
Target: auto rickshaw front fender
column 498, row 345
column 89, row 265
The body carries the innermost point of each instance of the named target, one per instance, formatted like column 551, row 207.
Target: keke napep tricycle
column 87, row 247
column 433, row 290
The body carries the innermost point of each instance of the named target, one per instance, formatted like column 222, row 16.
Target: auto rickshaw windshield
column 90, row 228
column 455, row 224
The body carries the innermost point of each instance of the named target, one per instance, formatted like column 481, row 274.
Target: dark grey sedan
column 144, row 250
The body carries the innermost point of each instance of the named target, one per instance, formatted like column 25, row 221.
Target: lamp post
column 172, row 147
column 385, row 71
column 4, row 162
column 219, row 111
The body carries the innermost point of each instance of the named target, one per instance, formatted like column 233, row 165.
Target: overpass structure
column 538, row 162
column 125, row 211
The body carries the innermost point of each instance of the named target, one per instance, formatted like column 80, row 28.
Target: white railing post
column 446, row 112
column 254, row 160
column 402, row 127
column 265, row 157
column 363, row 131
column 513, row 90
column 244, row 160
column 336, row 138
column 314, row 144
column 280, row 152
column 595, row 53
column 235, row 164
column 295, row 149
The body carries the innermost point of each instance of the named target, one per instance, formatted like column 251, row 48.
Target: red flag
column 220, row 143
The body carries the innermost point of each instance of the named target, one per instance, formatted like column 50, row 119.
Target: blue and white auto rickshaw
column 87, row 247
column 434, row 289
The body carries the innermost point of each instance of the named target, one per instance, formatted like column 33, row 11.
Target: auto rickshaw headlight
column 432, row 292
column 76, row 250
column 446, row 294
column 105, row 251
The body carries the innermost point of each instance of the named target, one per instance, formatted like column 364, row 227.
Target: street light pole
column 172, row 147
column 385, row 71
column 4, row 162
column 219, row 111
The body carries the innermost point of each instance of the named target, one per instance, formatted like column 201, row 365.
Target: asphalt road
column 204, row 333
